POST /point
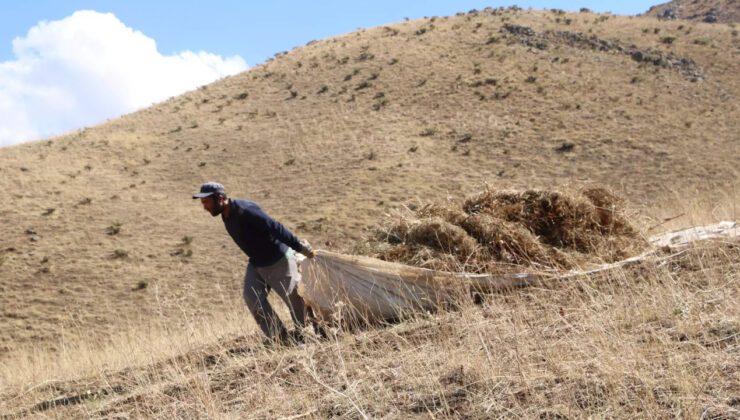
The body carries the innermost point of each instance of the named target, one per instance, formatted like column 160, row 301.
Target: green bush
column 119, row 254
column 668, row 39
column 114, row 228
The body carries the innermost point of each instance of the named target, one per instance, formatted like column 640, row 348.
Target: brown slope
column 710, row 11
column 329, row 136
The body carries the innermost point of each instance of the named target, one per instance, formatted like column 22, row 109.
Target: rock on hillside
column 710, row 11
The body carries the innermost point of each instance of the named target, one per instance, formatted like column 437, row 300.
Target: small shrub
column 501, row 94
column 379, row 95
column 380, row 104
column 430, row 131
column 85, row 201
column 701, row 41
column 242, row 96
column 323, row 89
column 531, row 79
column 421, row 31
column 363, row 85
column 48, row 211
column 393, row 61
column 668, row 39
column 119, row 254
column 636, row 79
column 187, row 240
column 182, row 252
column 141, row 284
column 114, row 228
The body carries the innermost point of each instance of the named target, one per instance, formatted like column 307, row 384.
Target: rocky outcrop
column 542, row 41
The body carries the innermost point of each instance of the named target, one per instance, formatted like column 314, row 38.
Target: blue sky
column 58, row 67
column 255, row 30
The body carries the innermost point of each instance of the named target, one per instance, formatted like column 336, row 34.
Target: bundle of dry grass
column 504, row 231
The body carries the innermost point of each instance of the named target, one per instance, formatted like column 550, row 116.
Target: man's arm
column 264, row 222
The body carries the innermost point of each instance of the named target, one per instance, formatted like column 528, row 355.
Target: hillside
column 101, row 238
column 710, row 11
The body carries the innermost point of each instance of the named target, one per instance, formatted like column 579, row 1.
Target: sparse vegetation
column 650, row 339
column 380, row 104
column 114, row 228
column 668, row 39
column 119, row 254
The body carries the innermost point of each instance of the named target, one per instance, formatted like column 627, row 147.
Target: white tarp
column 337, row 285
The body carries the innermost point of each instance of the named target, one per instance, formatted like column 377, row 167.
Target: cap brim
column 201, row 195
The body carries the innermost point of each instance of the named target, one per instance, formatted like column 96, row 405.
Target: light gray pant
column 283, row 277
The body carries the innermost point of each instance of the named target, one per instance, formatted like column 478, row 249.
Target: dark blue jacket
column 260, row 236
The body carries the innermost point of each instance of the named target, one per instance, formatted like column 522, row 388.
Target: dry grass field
column 120, row 297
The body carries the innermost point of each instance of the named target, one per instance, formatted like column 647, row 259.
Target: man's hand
column 307, row 250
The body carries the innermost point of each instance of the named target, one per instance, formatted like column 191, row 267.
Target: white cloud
column 89, row 67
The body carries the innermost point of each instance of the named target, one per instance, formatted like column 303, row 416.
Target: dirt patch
column 504, row 231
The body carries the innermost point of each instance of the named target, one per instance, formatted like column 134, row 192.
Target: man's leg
column 255, row 295
column 283, row 277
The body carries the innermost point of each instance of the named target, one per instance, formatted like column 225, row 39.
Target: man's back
column 261, row 237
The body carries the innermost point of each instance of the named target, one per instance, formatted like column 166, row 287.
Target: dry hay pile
column 512, row 231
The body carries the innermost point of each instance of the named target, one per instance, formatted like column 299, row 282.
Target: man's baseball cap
column 210, row 188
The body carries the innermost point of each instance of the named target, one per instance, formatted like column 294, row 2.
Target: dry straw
column 504, row 231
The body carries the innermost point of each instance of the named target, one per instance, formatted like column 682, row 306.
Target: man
column 270, row 248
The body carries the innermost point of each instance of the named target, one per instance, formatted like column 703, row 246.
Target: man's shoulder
column 243, row 206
